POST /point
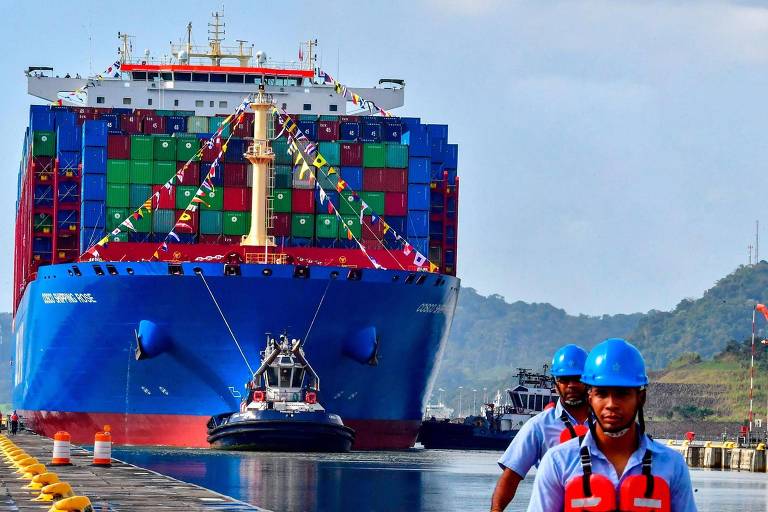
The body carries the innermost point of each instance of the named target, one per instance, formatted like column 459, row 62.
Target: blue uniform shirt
column 563, row 463
column 538, row 434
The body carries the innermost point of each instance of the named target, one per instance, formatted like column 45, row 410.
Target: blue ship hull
column 75, row 366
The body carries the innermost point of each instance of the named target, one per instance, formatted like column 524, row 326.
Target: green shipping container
column 214, row 123
column 164, row 148
column 163, row 221
column 138, row 194
column 120, row 237
column 115, row 216
column 142, row 147
column 162, row 172
column 283, row 176
column 141, row 172
column 328, row 181
column 184, row 195
column 280, row 149
column 214, row 198
column 42, row 222
column 211, row 223
column 44, row 143
column 186, row 148
column 303, row 225
column 281, row 201
column 397, row 156
column 143, row 224
column 165, row 113
column 331, row 151
column 326, row 226
column 353, row 223
column 197, row 124
column 348, row 205
column 184, row 113
column 375, row 202
column 118, row 195
column 237, row 223
column 118, row 171
column 374, row 155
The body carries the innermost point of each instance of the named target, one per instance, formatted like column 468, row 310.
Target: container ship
column 172, row 211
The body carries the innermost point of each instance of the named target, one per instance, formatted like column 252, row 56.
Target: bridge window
column 126, row 101
column 183, row 77
column 222, row 104
column 218, row 77
column 167, row 76
column 251, row 79
column 211, row 103
column 149, row 101
column 139, row 75
column 333, row 108
column 175, row 103
column 99, row 99
column 152, row 76
column 307, row 106
column 199, row 77
column 235, row 79
column 199, row 103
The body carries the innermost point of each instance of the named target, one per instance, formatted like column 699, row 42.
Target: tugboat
column 498, row 423
column 280, row 411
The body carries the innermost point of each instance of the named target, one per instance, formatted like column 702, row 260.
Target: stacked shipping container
column 93, row 167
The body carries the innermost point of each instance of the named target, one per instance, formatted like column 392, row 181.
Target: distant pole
column 461, row 388
column 757, row 242
column 441, row 396
column 474, row 404
column 485, row 395
column 749, row 251
column 752, row 370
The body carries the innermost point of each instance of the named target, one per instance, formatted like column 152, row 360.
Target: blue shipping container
column 42, row 244
column 89, row 236
column 418, row 142
column 300, row 242
column 43, row 195
column 437, row 149
column 420, row 244
column 397, row 224
column 64, row 118
column 69, row 192
column 392, row 132
column 95, row 134
column 142, row 238
column 68, row 161
column 309, row 128
column 418, row 224
column 437, row 171
column 451, row 156
column 175, row 124
column 40, row 118
column 236, row 149
column 94, row 160
column 218, row 180
column 113, row 122
column 438, row 131
column 94, row 187
column 349, row 131
column 66, row 138
column 419, row 170
column 370, row 132
column 418, row 197
column 68, row 218
column 93, row 214
column 333, row 197
column 410, row 123
column 353, row 176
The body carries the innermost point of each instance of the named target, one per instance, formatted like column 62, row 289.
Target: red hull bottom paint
column 190, row 431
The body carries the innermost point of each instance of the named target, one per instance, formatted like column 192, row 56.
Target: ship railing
column 266, row 259
column 259, row 149
column 206, row 61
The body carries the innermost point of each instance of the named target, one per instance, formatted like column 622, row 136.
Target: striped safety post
column 102, row 448
column 61, row 449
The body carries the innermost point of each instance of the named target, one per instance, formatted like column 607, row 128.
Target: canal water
column 413, row 481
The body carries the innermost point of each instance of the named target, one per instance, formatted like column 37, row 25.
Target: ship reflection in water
column 415, row 480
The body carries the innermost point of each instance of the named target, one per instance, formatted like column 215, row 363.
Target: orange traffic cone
column 61, row 449
column 102, row 448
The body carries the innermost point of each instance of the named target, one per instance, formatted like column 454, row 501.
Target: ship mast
column 125, row 50
column 215, row 51
column 261, row 157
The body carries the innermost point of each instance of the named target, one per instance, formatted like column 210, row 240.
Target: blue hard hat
column 568, row 361
column 615, row 362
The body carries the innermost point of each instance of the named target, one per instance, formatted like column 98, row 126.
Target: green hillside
column 705, row 325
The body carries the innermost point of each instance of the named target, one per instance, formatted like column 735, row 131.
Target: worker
column 14, row 423
column 548, row 428
column 615, row 466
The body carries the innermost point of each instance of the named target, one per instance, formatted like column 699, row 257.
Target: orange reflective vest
column 570, row 431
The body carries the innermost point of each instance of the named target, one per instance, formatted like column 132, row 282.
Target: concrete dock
column 121, row 487
column 726, row 455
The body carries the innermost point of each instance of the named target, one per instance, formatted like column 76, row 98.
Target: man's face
column 571, row 390
column 615, row 408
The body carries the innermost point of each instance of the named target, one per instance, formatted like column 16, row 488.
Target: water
column 413, row 481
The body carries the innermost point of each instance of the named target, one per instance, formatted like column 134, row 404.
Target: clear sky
column 612, row 153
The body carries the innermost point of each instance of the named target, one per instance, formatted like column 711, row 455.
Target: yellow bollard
column 55, row 491
column 22, row 463
column 32, row 471
column 41, row 480
column 73, row 504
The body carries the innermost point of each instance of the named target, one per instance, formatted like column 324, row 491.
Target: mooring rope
column 312, row 323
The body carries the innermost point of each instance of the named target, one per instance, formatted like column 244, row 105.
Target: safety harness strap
column 586, row 466
column 568, row 424
column 647, row 459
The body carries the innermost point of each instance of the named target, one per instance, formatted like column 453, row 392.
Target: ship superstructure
column 169, row 208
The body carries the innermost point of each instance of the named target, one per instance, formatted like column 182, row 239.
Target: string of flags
column 360, row 102
column 302, row 157
column 78, row 96
column 152, row 202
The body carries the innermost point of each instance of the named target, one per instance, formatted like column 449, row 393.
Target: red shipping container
column 371, row 231
column 237, row 199
column 351, row 154
column 119, row 146
column 209, row 239
column 396, row 204
column 349, row 119
column 327, row 130
column 141, row 113
column 372, row 245
column 85, row 116
column 281, row 225
column 153, row 124
column 191, row 175
column 374, row 179
column 191, row 223
column 211, row 152
column 235, row 175
column 82, row 110
column 130, row 124
column 244, row 128
column 166, row 199
column 395, row 180
column 101, row 110
column 303, row 201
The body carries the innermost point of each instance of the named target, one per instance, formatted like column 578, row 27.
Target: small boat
column 280, row 411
